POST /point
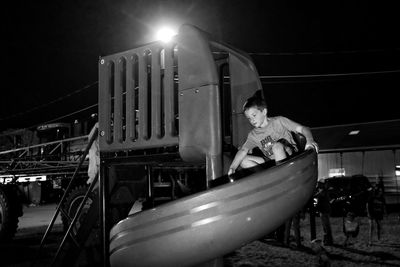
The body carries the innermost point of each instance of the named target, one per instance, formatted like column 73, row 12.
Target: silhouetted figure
column 293, row 223
column 376, row 208
column 324, row 209
column 351, row 227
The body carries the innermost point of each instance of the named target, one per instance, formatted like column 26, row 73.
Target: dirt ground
column 23, row 250
column 385, row 252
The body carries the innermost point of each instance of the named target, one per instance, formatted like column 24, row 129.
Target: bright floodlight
column 165, row 34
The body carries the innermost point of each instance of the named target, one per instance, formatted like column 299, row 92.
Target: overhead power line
column 57, row 119
column 265, row 77
column 305, row 53
column 59, row 99
column 67, row 115
column 328, row 75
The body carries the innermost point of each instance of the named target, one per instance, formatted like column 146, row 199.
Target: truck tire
column 10, row 210
column 72, row 203
column 89, row 254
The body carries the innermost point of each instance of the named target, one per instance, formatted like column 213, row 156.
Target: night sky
column 339, row 62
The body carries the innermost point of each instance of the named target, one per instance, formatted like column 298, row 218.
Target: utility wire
column 328, row 75
column 59, row 99
column 261, row 77
column 67, row 115
column 55, row 119
column 323, row 52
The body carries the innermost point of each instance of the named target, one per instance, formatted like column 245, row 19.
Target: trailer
column 36, row 167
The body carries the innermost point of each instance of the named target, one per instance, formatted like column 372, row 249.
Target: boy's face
column 256, row 116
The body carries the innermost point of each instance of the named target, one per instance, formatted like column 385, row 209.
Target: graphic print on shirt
column 267, row 144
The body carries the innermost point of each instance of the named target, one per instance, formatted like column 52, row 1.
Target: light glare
column 355, row 132
column 165, row 34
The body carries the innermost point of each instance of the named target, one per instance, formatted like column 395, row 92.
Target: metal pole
column 313, row 230
column 104, row 203
column 59, row 206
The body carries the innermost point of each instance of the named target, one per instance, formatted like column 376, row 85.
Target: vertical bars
column 168, row 81
column 137, row 98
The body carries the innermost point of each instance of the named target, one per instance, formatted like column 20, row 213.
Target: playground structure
column 170, row 122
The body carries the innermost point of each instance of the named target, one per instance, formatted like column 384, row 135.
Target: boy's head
column 254, row 102
column 255, row 110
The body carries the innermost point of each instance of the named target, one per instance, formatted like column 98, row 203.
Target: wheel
column 72, row 202
column 10, row 210
column 84, row 228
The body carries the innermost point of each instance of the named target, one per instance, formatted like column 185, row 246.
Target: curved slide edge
column 210, row 224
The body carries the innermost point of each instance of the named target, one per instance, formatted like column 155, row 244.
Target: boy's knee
column 279, row 151
column 278, row 148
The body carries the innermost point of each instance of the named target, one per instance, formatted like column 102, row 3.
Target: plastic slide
column 212, row 223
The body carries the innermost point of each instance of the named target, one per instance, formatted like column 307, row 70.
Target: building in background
column 370, row 149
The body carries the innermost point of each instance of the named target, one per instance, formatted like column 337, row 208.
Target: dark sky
column 51, row 49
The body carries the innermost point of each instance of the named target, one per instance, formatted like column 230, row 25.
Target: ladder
column 73, row 241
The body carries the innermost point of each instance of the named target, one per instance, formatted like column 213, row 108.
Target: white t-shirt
column 264, row 138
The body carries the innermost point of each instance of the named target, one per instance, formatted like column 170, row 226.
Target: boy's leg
column 279, row 151
column 251, row 161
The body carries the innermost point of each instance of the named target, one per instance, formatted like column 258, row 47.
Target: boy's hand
column 312, row 145
column 231, row 171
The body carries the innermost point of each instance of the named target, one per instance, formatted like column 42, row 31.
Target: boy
column 269, row 134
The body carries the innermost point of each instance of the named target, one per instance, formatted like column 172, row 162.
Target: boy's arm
column 240, row 155
column 309, row 137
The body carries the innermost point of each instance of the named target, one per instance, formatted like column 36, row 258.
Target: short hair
column 254, row 102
